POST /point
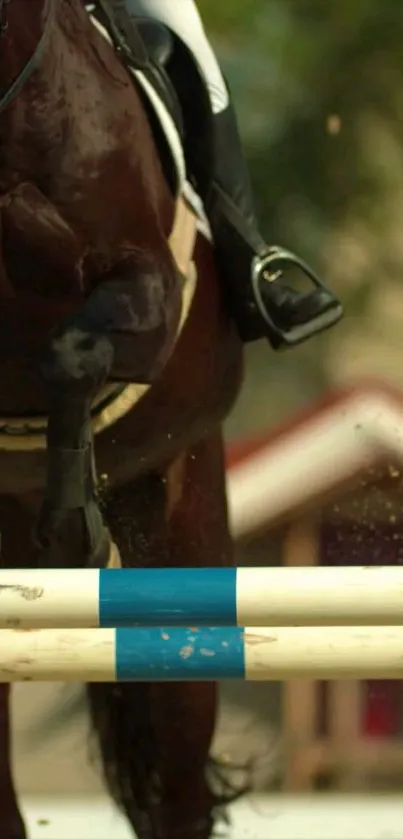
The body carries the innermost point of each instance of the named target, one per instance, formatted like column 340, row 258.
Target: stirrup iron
column 329, row 311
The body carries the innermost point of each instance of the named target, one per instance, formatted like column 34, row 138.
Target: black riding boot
column 255, row 275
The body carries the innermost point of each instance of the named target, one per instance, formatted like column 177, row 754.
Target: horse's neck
column 24, row 27
column 38, row 109
column 23, row 24
column 76, row 73
column 20, row 117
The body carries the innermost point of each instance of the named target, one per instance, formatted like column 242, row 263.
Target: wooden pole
column 175, row 654
column 310, row 596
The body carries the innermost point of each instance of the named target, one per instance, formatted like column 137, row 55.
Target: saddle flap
column 157, row 39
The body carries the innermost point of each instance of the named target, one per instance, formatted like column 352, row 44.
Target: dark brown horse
column 86, row 211
column 112, row 327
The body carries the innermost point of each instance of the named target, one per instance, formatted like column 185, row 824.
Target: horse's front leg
column 124, row 331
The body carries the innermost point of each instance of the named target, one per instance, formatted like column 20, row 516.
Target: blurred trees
column 311, row 79
column 318, row 86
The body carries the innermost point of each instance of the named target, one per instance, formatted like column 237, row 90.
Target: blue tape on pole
column 171, row 653
column 161, row 597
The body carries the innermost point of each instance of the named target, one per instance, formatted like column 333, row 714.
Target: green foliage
column 318, row 86
column 292, row 66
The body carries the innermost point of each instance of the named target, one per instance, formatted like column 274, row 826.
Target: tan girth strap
column 182, row 243
column 183, row 235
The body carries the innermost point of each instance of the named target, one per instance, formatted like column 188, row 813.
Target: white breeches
column 183, row 18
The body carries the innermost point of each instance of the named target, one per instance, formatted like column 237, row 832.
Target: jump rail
column 176, row 654
column 310, row 596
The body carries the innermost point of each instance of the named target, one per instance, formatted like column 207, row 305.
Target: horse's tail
column 138, row 768
column 122, row 719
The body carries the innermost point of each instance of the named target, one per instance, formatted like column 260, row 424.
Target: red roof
column 271, row 475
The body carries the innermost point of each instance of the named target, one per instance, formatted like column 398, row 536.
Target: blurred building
column 327, row 488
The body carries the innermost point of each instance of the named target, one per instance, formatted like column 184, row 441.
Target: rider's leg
column 241, row 249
